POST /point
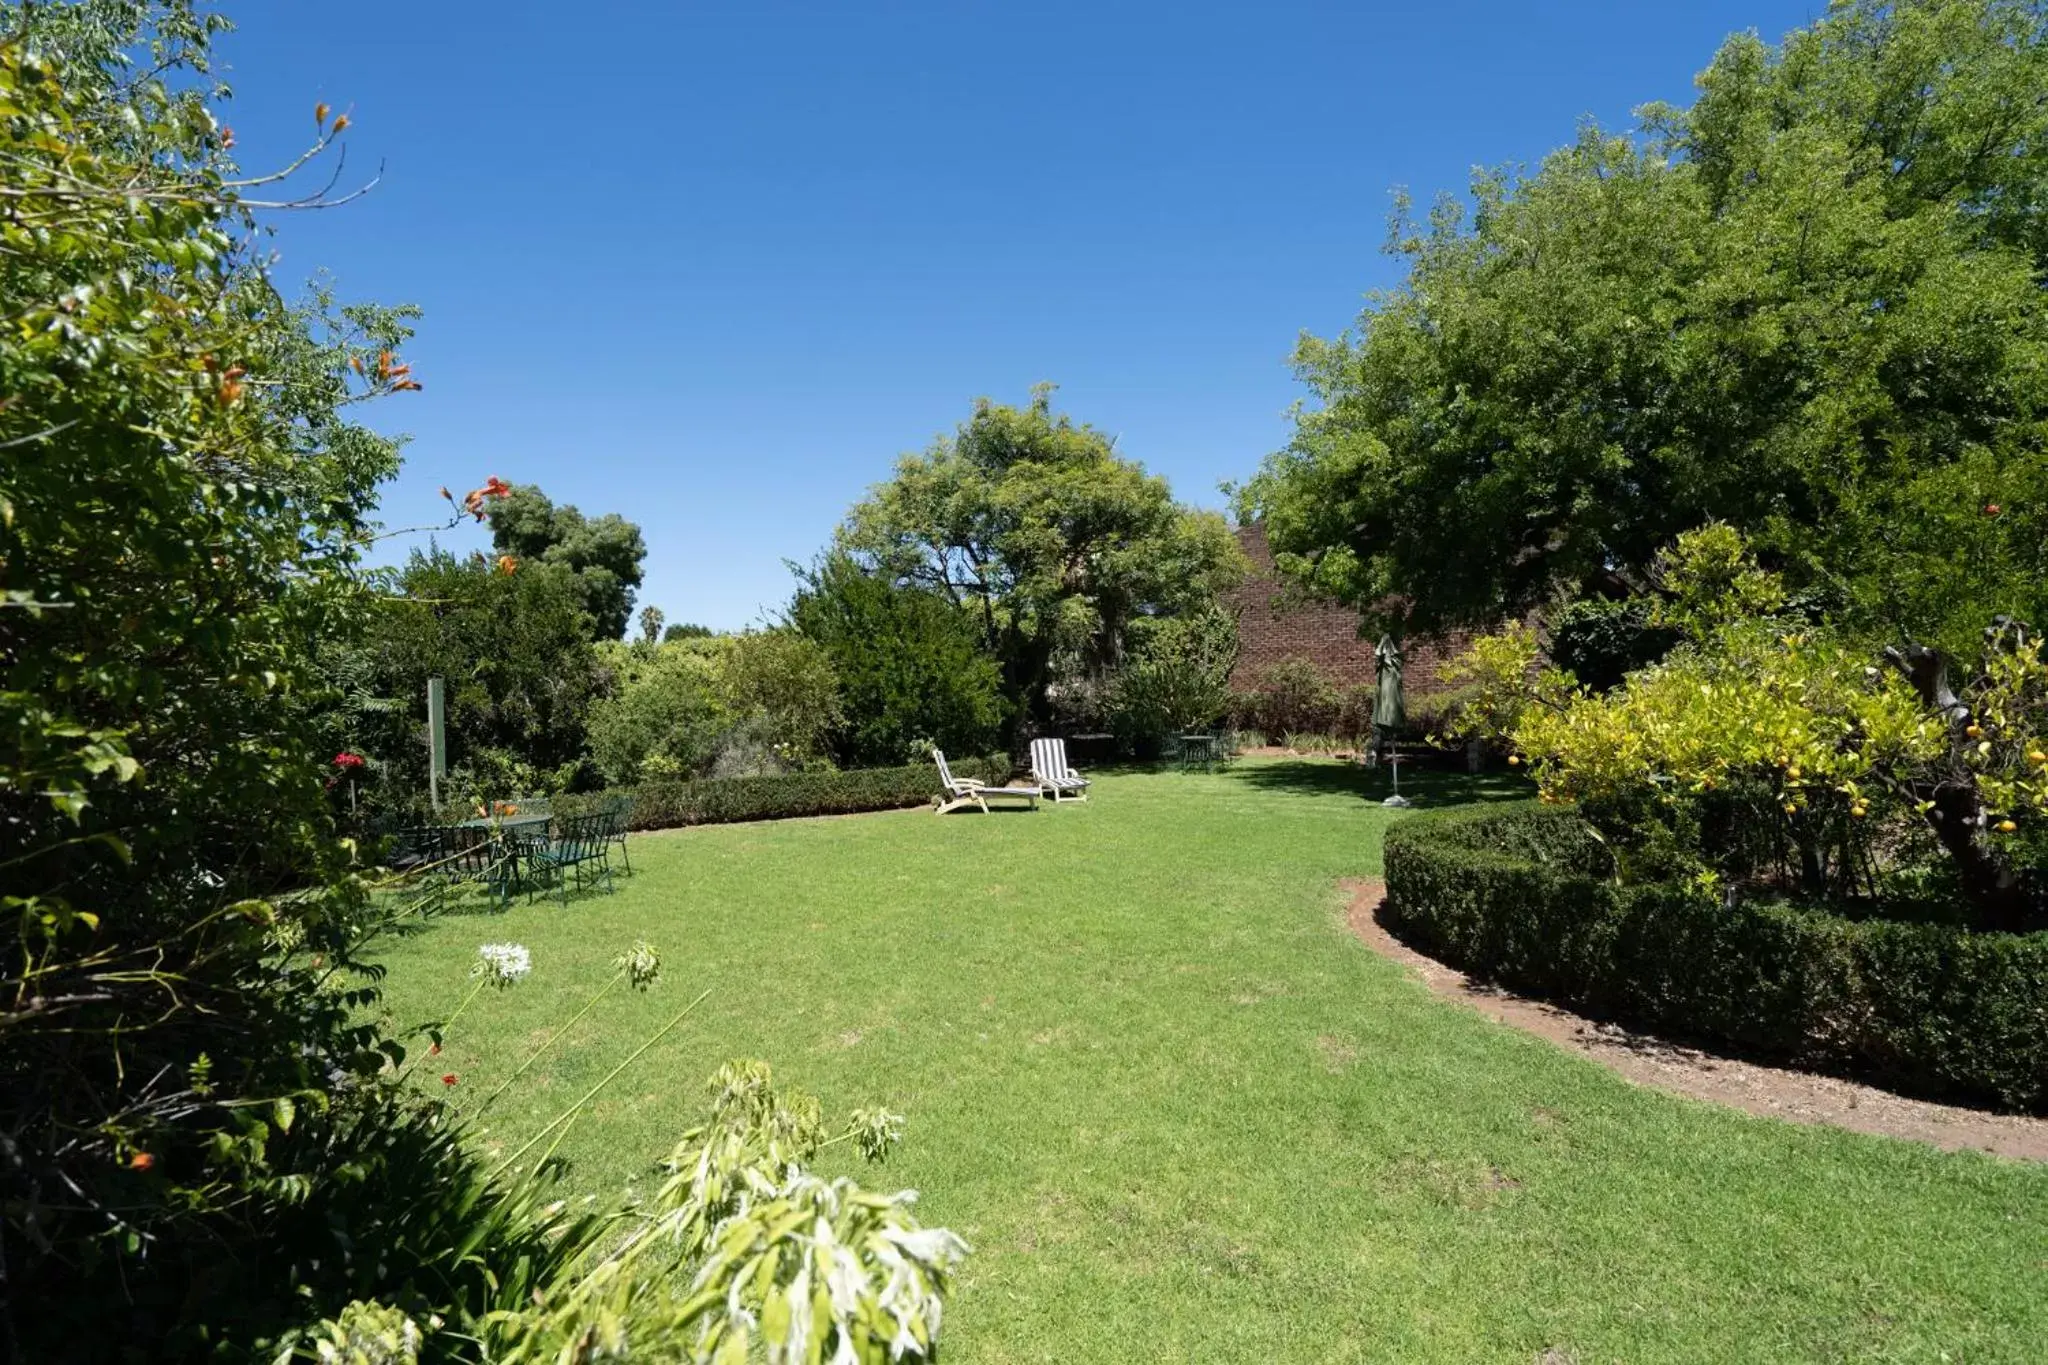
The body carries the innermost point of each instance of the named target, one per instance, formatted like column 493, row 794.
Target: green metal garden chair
column 577, row 848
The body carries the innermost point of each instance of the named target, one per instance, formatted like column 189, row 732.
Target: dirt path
column 1776, row 1092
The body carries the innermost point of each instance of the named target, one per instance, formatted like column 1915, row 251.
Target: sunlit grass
column 1182, row 1115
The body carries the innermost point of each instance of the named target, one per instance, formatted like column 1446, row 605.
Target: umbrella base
column 1397, row 800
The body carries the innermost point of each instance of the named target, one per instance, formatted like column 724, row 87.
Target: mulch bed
column 1776, row 1092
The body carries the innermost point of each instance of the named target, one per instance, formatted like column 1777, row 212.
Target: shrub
column 664, row 712
column 723, row 800
column 910, row 664
column 782, row 688
column 1176, row 680
column 1293, row 695
column 1600, row 641
column 1521, row 894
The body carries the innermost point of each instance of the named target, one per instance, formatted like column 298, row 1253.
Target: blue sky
column 715, row 266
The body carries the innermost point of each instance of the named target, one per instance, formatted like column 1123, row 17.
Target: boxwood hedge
column 717, row 800
column 1516, row 894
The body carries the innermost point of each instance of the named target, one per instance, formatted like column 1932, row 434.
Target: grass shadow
column 1425, row 790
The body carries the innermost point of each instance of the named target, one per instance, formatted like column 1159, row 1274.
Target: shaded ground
column 1775, row 1092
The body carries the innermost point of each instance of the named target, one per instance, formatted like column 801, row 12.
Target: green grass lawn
column 1182, row 1115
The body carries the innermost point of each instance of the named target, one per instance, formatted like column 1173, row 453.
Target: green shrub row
column 722, row 800
column 1513, row 894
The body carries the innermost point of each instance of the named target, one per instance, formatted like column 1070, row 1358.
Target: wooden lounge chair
column 1050, row 771
column 965, row 791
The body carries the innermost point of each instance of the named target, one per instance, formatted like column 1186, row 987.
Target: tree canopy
column 1050, row 540
column 603, row 552
column 909, row 662
column 1809, row 306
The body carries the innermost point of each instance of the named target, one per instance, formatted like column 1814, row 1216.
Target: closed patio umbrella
column 1389, row 710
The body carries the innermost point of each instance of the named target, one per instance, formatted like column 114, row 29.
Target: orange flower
column 227, row 138
column 231, row 391
column 320, row 112
column 507, row 564
column 497, row 488
column 355, row 362
column 446, row 495
column 341, row 123
column 141, row 1161
column 1992, row 509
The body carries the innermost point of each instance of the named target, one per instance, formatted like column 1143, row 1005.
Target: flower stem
column 552, row 1038
column 569, row 1114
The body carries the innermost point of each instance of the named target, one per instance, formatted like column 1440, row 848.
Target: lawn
column 1182, row 1115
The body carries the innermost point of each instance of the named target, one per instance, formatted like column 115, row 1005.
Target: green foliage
column 603, row 553
column 1291, row 696
column 1763, row 751
column 1809, row 306
column 663, row 804
column 784, row 685
column 741, row 1247
column 663, row 706
column 183, row 498
column 1049, row 539
column 1506, row 893
column 686, row 631
column 911, row 670
column 514, row 651
column 1177, row 678
column 1600, row 640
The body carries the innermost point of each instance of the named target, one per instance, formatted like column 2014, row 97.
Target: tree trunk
column 1956, row 814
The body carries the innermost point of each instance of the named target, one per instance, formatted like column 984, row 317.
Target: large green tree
column 910, row 665
column 604, row 553
column 1810, row 305
column 511, row 642
column 1051, row 541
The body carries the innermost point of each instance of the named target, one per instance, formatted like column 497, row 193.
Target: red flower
column 141, row 1161
column 1992, row 509
column 448, row 1079
column 496, row 487
column 348, row 760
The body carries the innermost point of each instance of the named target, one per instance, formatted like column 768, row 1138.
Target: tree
column 1807, row 306
column 909, row 661
column 662, row 717
column 650, row 624
column 1177, row 677
column 686, row 631
column 782, row 687
column 183, row 501
column 1765, row 741
column 603, row 552
column 1047, row 537
column 513, row 649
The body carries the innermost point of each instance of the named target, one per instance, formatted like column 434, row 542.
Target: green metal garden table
column 511, row 833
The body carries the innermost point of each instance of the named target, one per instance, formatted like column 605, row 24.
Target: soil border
column 1774, row 1092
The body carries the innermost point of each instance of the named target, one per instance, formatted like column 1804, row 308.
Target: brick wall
column 1274, row 624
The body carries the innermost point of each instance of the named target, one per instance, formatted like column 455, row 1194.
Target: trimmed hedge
column 722, row 800
column 1516, row 894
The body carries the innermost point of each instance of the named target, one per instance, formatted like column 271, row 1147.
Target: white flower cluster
column 504, row 963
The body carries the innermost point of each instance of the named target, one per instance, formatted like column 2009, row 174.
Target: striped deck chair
column 965, row 791
column 1050, row 771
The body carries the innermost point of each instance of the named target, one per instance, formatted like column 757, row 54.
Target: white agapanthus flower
column 504, row 963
